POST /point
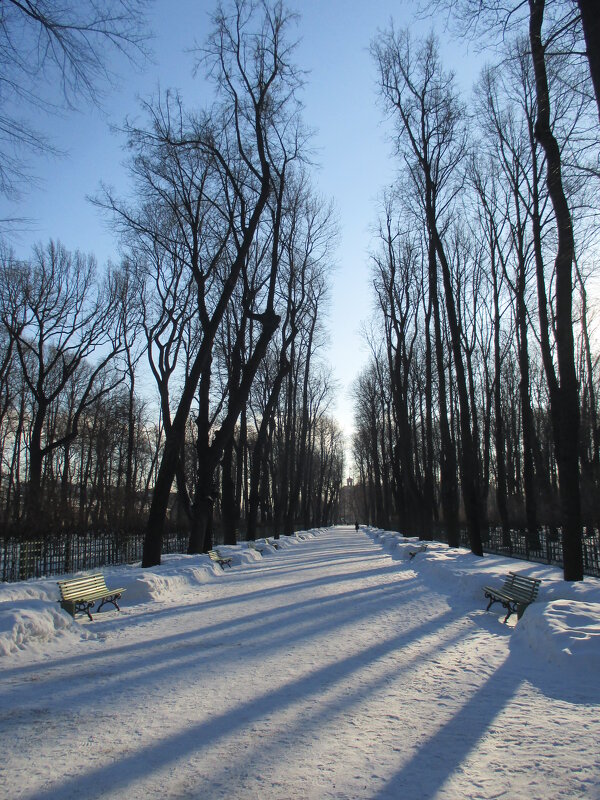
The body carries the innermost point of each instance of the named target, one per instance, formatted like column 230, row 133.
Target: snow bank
column 563, row 625
column 567, row 632
column 158, row 584
column 30, row 621
column 30, row 612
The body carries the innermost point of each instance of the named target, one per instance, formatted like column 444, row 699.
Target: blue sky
column 352, row 150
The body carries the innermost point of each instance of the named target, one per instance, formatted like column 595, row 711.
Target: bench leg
column 112, row 600
column 512, row 608
column 507, row 606
column 492, row 601
column 86, row 606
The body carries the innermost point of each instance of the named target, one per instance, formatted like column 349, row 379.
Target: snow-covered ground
column 335, row 667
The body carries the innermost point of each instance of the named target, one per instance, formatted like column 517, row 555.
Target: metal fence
column 21, row 559
column 545, row 548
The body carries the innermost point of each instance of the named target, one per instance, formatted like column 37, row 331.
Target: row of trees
column 221, row 291
column 482, row 398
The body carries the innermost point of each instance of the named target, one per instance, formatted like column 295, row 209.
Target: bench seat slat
column 509, row 596
column 523, row 585
column 509, row 593
column 517, row 590
column 88, row 581
column 82, row 587
column 92, row 587
column 94, row 595
column 84, row 578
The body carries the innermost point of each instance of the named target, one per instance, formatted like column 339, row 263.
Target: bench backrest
column 78, row 587
column 522, row 587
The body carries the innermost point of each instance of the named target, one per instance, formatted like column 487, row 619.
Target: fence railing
column 546, row 547
column 22, row 559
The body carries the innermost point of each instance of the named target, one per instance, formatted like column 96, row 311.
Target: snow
column 333, row 667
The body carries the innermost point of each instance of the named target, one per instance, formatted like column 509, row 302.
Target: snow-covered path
column 324, row 671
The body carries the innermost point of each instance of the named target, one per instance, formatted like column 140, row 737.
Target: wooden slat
column 79, row 588
column 517, row 588
column 81, row 581
column 83, row 587
column 80, row 584
column 101, row 592
column 97, row 594
column 520, row 584
column 89, row 587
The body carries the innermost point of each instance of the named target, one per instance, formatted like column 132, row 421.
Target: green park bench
column 515, row 595
column 81, row 594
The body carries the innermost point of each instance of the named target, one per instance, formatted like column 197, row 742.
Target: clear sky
column 352, row 150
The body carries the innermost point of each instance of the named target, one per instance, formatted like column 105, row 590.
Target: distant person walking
column 356, row 525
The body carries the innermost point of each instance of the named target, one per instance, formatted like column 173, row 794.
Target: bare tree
column 399, row 285
column 205, row 181
column 431, row 140
column 307, row 237
column 59, row 318
column 555, row 29
column 68, row 47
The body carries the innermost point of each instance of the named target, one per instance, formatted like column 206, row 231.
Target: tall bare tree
column 431, row 140
column 205, row 180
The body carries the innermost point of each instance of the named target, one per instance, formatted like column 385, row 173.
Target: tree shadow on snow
column 191, row 651
column 191, row 742
column 437, row 759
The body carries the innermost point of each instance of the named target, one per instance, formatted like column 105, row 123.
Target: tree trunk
column 448, row 489
column 499, row 436
column 202, row 508
column 256, row 467
column 35, row 512
column 209, row 456
column 568, row 412
column 590, row 21
column 469, row 460
column 430, row 511
column 229, row 517
column 528, row 429
column 129, row 510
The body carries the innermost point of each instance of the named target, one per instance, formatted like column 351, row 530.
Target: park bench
column 258, row 546
column 81, row 594
column 222, row 561
column 515, row 595
column 413, row 553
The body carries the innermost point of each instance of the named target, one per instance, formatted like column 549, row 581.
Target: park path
column 327, row 670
